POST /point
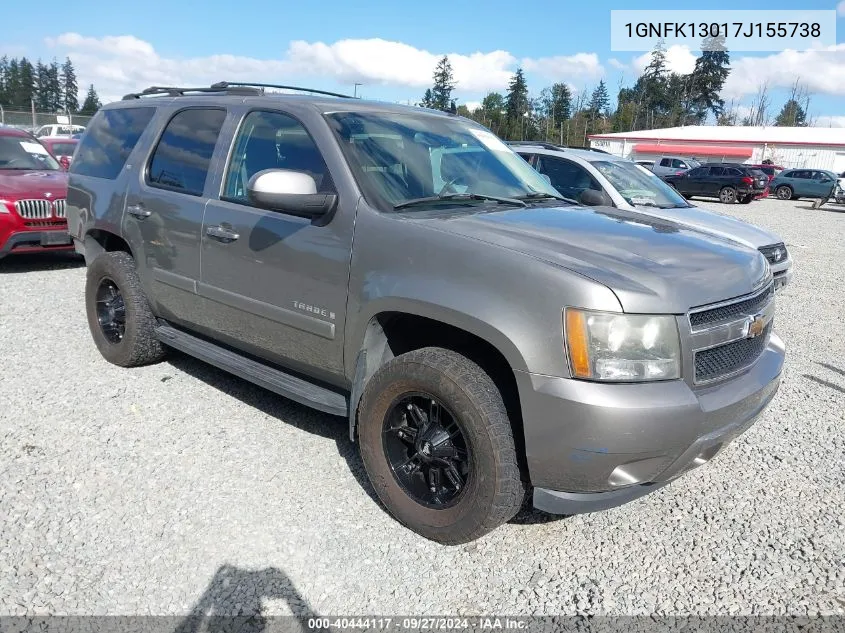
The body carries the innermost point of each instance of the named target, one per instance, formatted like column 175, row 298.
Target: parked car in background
column 33, row 189
column 792, row 184
column 648, row 164
column 596, row 179
column 770, row 170
column 673, row 165
column 57, row 129
column 728, row 182
column 61, row 148
column 479, row 337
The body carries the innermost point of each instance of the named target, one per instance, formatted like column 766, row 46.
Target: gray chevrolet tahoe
column 405, row 269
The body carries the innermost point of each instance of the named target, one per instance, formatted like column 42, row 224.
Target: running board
column 291, row 387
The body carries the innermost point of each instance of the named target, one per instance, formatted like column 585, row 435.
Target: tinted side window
column 111, row 137
column 181, row 159
column 665, row 162
column 698, row 172
column 679, row 164
column 800, row 173
column 568, row 178
column 717, row 171
column 272, row 140
column 732, row 171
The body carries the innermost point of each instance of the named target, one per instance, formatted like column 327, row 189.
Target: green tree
column 4, row 78
column 56, row 99
column 707, row 79
column 516, row 104
column 42, row 95
column 91, row 103
column 561, row 102
column 791, row 115
column 428, row 99
column 444, row 83
column 26, row 84
column 599, row 101
column 70, row 89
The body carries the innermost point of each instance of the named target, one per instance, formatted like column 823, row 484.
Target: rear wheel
column 119, row 316
column 438, row 447
column 727, row 195
column 784, row 192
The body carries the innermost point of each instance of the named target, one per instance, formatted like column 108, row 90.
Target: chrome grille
column 34, row 209
column 731, row 311
column 59, row 208
column 731, row 357
column 775, row 253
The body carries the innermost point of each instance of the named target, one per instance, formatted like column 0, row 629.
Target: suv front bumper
column 592, row 446
column 33, row 241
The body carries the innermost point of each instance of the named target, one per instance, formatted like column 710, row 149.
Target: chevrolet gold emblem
column 754, row 326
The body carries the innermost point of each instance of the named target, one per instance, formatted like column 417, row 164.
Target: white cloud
column 820, row 70
column 124, row 63
column 621, row 65
column 563, row 66
column 472, row 105
column 840, row 8
column 829, row 121
column 679, row 59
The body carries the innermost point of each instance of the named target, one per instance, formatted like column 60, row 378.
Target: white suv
column 57, row 129
column 595, row 178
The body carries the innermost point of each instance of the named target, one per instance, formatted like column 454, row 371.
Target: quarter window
column 110, row 138
column 272, row 140
column 182, row 157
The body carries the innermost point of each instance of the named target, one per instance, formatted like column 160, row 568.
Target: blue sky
column 391, row 48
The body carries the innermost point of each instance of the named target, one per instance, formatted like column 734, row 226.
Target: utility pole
column 355, row 91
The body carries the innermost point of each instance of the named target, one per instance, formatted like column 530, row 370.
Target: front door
column 164, row 209
column 275, row 284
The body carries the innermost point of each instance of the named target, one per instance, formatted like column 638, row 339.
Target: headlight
column 622, row 347
column 5, row 206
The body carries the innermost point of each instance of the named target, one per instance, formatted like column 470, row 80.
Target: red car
column 770, row 170
column 61, row 148
column 33, row 188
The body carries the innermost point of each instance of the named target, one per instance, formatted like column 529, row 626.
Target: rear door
column 799, row 180
column 164, row 209
column 276, row 284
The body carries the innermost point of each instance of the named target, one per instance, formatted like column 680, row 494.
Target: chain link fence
column 31, row 120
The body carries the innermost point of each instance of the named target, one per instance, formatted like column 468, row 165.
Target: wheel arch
column 97, row 241
column 391, row 332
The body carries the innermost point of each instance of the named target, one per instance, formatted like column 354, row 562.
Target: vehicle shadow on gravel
column 311, row 421
column 233, row 601
column 286, row 411
column 39, row 262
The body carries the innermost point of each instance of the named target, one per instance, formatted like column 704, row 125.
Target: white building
column 813, row 147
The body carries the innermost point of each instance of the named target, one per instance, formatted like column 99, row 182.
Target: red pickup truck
column 33, row 188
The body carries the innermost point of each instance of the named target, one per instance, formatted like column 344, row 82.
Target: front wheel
column 784, row 192
column 727, row 195
column 438, row 447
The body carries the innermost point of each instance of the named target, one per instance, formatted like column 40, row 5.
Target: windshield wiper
column 540, row 195
column 458, row 197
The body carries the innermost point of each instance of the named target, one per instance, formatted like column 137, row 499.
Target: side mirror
column 292, row 192
column 592, row 198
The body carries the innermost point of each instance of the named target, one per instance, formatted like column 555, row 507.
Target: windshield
column 399, row 157
column 19, row 152
column 638, row 185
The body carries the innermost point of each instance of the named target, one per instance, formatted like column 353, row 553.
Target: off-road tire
column 495, row 491
column 784, row 192
column 139, row 345
column 727, row 195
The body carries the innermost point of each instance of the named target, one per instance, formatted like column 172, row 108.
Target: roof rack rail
column 173, row 91
column 226, row 85
column 536, row 144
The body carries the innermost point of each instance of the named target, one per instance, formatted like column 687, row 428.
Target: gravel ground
column 176, row 488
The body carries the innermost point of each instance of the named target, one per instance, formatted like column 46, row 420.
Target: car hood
column 714, row 222
column 33, row 184
column 652, row 265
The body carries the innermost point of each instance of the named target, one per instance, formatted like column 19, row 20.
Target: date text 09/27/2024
column 723, row 29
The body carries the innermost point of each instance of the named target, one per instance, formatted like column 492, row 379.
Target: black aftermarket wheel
column 119, row 316
column 438, row 446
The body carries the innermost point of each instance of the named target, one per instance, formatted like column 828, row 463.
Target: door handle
column 221, row 233
column 138, row 211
